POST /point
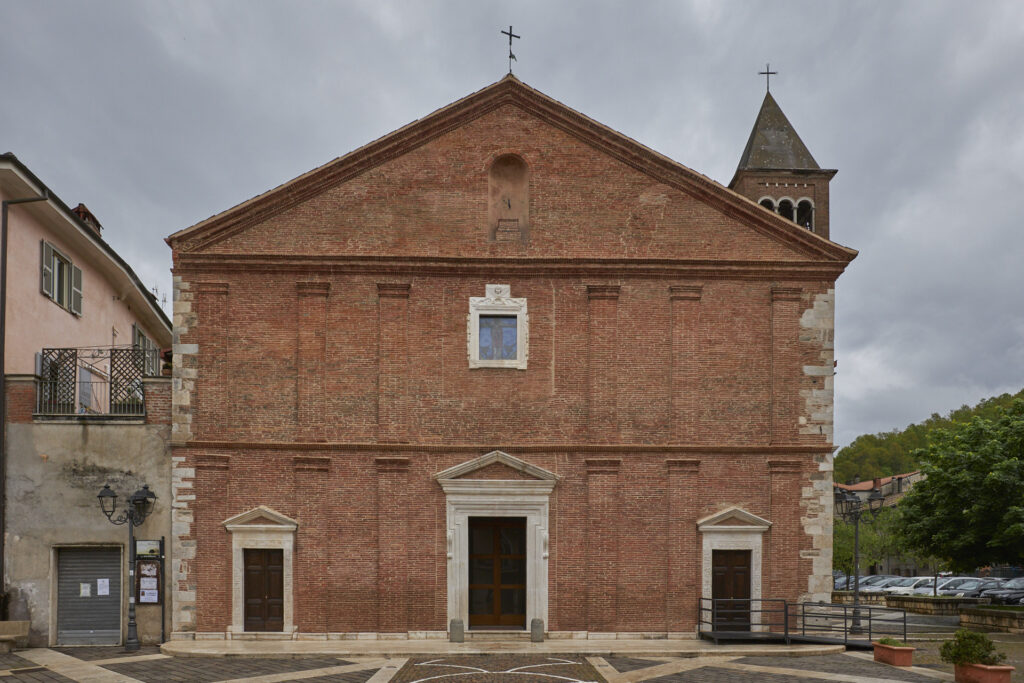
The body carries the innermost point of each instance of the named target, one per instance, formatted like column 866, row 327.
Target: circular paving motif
column 498, row 669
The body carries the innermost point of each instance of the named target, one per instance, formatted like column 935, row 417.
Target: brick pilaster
column 683, row 579
column 212, row 418
column 603, row 521
column 782, row 552
column 312, row 349
column 212, row 566
column 602, row 365
column 785, row 402
column 393, row 302
column 312, row 565
column 685, row 368
column 392, row 544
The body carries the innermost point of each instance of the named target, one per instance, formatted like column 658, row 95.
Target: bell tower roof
column 774, row 144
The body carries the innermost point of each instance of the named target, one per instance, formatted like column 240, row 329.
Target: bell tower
column 778, row 172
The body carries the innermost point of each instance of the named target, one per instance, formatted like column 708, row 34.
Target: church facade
column 501, row 365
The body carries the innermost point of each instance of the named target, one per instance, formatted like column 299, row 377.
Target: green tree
column 970, row 508
column 879, row 539
column 888, row 453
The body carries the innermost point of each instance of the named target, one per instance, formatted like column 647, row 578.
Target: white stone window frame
column 527, row 498
column 264, row 529
column 498, row 301
column 734, row 529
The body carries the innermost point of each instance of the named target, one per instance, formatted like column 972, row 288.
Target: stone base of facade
column 431, row 635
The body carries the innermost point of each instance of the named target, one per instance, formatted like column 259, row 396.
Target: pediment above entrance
column 497, row 465
column 261, row 517
column 733, row 518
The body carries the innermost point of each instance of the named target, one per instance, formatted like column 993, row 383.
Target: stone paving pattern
column 98, row 652
column 838, row 664
column 209, row 670
column 562, row 668
column 711, row 674
column 624, row 664
column 353, row 677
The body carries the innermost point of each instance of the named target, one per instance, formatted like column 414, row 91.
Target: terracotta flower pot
column 982, row 673
column 897, row 656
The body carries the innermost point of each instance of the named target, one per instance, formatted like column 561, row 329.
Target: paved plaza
column 113, row 665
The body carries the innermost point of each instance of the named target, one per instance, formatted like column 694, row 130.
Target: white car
column 907, row 586
column 945, row 582
column 881, row 585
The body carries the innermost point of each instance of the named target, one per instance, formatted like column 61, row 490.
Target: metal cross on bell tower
column 767, row 73
column 511, row 57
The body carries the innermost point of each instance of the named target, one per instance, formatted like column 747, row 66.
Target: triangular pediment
column 675, row 212
column 733, row 518
column 262, row 517
column 492, row 464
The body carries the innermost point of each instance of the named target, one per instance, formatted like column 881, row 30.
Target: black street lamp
column 850, row 507
column 140, row 504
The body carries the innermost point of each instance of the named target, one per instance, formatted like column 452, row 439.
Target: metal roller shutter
column 84, row 617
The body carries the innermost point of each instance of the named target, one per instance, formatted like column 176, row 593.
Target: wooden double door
column 497, row 572
column 730, row 590
column 264, row 590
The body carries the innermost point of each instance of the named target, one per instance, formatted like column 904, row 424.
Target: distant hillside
column 888, row 453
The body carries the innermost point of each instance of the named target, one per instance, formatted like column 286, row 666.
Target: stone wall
column 923, row 604
column 992, row 619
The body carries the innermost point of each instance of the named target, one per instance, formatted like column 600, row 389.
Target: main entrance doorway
column 730, row 588
column 264, row 590
column 497, row 572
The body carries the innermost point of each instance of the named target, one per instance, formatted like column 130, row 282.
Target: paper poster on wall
column 148, row 596
column 84, row 590
column 102, row 586
column 147, row 584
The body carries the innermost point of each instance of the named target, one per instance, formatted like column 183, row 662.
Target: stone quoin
column 505, row 364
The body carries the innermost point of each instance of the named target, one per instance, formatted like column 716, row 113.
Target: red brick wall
column 370, row 546
column 21, row 401
column 684, row 357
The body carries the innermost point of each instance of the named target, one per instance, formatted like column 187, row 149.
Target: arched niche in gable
column 508, row 209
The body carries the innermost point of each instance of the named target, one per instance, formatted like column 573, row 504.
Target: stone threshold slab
column 407, row 648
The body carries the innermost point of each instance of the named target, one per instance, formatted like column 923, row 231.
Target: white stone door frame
column 467, row 498
column 261, row 528
column 733, row 529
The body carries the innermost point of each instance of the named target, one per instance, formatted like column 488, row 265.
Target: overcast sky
column 159, row 114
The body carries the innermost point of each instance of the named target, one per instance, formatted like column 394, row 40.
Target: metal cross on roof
column 511, row 57
column 767, row 73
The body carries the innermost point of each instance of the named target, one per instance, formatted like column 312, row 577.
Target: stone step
column 478, row 634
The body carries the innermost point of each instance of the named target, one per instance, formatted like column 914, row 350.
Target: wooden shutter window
column 76, row 290
column 46, row 276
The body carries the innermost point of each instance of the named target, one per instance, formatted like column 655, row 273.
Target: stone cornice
column 408, row 266
column 623, row 449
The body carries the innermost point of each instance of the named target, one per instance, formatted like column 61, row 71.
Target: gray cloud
column 159, row 114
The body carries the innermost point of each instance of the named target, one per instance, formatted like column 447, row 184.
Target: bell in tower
column 778, row 172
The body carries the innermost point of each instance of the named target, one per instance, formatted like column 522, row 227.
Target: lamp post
column 140, row 504
column 850, row 507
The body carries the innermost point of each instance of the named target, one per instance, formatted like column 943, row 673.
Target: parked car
column 880, row 586
column 907, row 585
column 1010, row 593
column 846, row 583
column 944, row 581
column 974, row 590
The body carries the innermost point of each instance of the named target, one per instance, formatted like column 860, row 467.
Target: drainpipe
column 3, row 391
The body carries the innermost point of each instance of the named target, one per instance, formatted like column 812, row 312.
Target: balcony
column 94, row 381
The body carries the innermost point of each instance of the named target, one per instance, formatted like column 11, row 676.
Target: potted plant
column 974, row 658
column 894, row 652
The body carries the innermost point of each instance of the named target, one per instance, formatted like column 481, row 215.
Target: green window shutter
column 46, row 276
column 76, row 290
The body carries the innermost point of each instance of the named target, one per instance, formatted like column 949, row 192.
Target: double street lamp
column 850, row 507
column 140, row 504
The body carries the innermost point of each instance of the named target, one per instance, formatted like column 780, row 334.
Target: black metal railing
column 746, row 618
column 774, row 619
column 848, row 622
column 94, row 380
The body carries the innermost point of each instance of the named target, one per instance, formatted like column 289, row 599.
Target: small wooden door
column 730, row 588
column 497, row 572
column 264, row 590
